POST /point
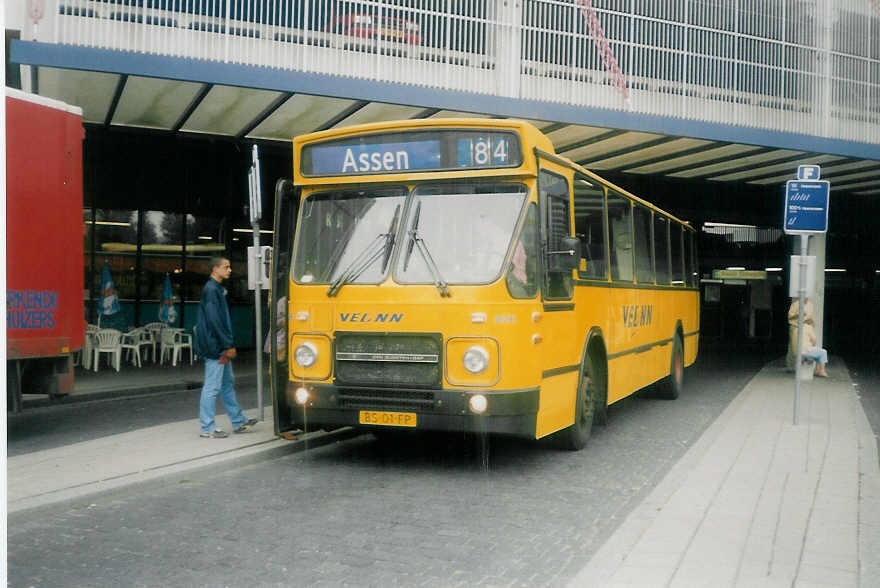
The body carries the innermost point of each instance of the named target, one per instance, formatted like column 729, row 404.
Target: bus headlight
column 301, row 396
column 306, row 354
column 475, row 359
column 478, row 403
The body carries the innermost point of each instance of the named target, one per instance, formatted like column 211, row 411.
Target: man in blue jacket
column 213, row 341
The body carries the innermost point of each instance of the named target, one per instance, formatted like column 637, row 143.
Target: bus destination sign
column 418, row 151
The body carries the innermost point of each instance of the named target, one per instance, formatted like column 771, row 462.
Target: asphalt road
column 429, row 510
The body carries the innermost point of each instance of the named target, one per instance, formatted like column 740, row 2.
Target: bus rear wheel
column 576, row 436
column 673, row 384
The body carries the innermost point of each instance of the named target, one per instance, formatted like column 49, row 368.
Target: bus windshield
column 465, row 231
column 347, row 236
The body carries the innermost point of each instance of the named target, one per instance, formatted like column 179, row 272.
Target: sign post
column 256, row 212
column 805, row 214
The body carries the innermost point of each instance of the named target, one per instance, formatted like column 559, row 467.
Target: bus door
column 286, row 206
column 557, row 334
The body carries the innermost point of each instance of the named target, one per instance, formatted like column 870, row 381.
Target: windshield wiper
column 389, row 241
column 419, row 243
column 367, row 257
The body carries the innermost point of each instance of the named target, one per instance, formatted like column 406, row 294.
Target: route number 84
column 485, row 153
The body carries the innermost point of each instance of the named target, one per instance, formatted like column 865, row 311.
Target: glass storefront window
column 241, row 237
column 161, row 253
column 116, row 245
column 206, row 237
column 141, row 248
column 88, row 273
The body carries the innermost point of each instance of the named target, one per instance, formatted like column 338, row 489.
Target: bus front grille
column 401, row 400
column 404, row 360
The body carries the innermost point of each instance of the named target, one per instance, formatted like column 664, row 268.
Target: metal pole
column 802, row 290
column 256, row 212
column 258, row 298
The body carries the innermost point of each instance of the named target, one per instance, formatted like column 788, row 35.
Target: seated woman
column 809, row 349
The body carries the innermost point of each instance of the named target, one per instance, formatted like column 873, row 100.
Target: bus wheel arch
column 597, row 356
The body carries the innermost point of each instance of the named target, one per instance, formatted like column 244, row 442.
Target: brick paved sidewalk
column 759, row 501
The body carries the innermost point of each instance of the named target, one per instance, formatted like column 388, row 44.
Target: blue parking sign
column 808, row 172
column 806, row 207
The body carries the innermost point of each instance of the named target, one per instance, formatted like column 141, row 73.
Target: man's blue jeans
column 219, row 379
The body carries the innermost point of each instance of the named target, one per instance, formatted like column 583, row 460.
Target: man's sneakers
column 247, row 426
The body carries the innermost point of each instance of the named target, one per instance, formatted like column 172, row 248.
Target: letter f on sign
column 808, row 172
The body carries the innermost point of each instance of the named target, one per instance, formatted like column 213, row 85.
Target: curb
column 186, row 470
column 615, row 548
column 115, row 393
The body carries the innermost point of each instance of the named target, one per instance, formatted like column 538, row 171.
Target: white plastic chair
column 174, row 341
column 87, row 359
column 155, row 330
column 183, row 341
column 130, row 342
column 148, row 340
column 108, row 341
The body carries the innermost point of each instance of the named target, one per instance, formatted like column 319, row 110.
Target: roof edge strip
column 266, row 78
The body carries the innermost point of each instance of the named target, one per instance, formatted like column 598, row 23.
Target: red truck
column 44, row 245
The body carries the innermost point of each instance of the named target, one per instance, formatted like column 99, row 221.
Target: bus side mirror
column 568, row 258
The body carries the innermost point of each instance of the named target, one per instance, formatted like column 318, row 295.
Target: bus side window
column 642, row 234
column 661, row 248
column 620, row 226
column 554, row 193
column 522, row 275
column 589, row 227
column 677, row 257
column 686, row 252
column 694, row 274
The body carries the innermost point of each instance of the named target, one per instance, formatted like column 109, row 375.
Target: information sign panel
column 806, row 207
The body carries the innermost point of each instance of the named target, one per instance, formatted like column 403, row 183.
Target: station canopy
column 192, row 108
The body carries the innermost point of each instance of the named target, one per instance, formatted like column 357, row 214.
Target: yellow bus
column 458, row 275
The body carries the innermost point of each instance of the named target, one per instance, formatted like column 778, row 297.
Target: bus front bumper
column 510, row 412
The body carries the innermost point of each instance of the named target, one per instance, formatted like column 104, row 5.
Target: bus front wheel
column 576, row 435
column 671, row 388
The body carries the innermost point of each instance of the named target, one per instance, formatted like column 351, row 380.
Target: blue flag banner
column 108, row 301
column 167, row 311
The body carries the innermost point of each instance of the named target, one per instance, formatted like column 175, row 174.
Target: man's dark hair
column 216, row 260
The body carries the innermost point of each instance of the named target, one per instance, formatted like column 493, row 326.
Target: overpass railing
column 806, row 65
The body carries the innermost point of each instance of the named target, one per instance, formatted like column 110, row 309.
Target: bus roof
column 596, row 177
column 532, row 141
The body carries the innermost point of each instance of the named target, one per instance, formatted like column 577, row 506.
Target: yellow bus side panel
column 556, row 403
column 630, row 372
column 641, row 318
